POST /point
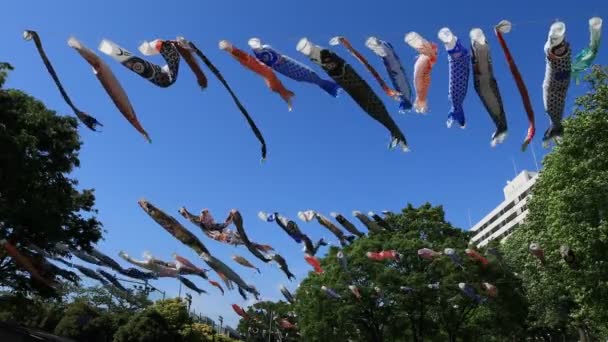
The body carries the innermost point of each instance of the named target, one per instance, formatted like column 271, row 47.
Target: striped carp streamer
column 187, row 54
column 371, row 226
column 469, row 291
column 216, row 231
column 292, row 229
column 451, row 253
column 346, row 224
column 285, row 324
column 185, row 266
column 584, row 59
column 150, row 265
column 459, row 63
column 86, row 119
column 25, row 263
column 325, row 222
column 48, row 267
column 486, row 86
column 330, row 292
column 502, row 27
column 388, row 90
column 355, row 86
column 253, row 64
column 189, row 284
column 568, row 255
column 383, row 255
column 163, row 76
column 428, row 254
column 490, row 289
column 171, row 225
column 422, row 68
column 137, row 274
column 106, row 260
column 355, row 291
column 89, row 273
column 406, row 289
column 379, row 220
column 251, row 246
column 220, row 268
column 557, row 79
column 289, row 67
column 112, row 279
column 79, row 254
column 395, row 71
column 110, row 83
column 218, row 75
column 288, row 296
column 244, row 262
column 537, row 251
column 474, row 255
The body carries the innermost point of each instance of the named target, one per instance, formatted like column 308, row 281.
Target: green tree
column 174, row 311
column 39, row 202
column 264, row 317
column 84, row 323
column 569, row 206
column 146, row 326
column 396, row 315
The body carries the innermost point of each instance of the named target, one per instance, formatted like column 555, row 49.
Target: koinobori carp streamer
column 283, row 266
column 289, row 67
column 371, row 226
column 346, row 224
column 220, row 268
column 112, row 279
column 251, row 246
column 106, row 260
column 220, row 77
column 502, row 27
column 186, row 52
column 355, row 86
column 25, row 263
column 189, row 284
column 88, row 120
column 459, row 64
column 342, row 40
column 557, row 79
column 110, row 84
column 584, row 59
column 395, row 71
column 253, row 64
column 244, row 262
column 161, row 76
column 171, row 225
column 422, row 68
column 486, row 85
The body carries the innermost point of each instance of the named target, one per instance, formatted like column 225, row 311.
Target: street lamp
column 189, row 301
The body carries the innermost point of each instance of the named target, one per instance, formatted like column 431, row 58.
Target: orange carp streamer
column 253, row 64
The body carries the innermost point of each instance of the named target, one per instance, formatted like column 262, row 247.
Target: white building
column 509, row 214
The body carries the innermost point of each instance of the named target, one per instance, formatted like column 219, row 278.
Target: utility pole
column 269, row 325
column 221, row 319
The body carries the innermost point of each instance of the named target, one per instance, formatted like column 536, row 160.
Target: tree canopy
column 569, row 207
column 39, row 202
column 434, row 309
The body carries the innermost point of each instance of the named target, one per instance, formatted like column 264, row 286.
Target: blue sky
column 326, row 155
